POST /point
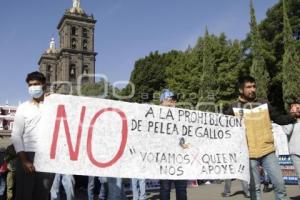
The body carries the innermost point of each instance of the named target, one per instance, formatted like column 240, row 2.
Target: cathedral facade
column 73, row 62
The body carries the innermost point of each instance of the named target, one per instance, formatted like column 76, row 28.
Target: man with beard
column 259, row 136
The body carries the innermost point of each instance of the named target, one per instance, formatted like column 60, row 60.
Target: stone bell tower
column 67, row 66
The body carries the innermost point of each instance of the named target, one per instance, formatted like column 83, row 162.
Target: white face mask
column 36, row 91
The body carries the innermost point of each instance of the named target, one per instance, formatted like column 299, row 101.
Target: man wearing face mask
column 29, row 183
column 259, row 137
column 167, row 98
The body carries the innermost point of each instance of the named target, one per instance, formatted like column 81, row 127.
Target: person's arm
column 279, row 118
column 17, row 140
column 229, row 110
column 27, row 165
column 18, row 131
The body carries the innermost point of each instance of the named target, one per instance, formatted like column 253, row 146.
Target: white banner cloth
column 97, row 137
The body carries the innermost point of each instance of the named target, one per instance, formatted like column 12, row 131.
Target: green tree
column 149, row 77
column 271, row 30
column 228, row 71
column 102, row 89
column 208, row 81
column 186, row 73
column 258, row 68
column 291, row 62
column 213, row 64
column 182, row 76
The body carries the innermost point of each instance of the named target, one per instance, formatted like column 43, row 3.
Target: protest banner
column 97, row 137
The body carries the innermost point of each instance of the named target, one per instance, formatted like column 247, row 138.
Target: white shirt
column 25, row 129
column 293, row 131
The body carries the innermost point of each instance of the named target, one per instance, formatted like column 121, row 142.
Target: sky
column 126, row 30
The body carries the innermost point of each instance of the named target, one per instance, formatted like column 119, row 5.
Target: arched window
column 84, row 32
column 74, row 31
column 74, row 43
column 72, row 73
column 84, row 45
column 85, row 71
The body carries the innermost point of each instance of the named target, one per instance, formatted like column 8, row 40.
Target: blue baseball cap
column 167, row 94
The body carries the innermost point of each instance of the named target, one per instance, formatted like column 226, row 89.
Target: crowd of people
column 23, row 182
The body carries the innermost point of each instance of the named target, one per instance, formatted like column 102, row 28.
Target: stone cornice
column 75, row 51
column 76, row 17
column 52, row 56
